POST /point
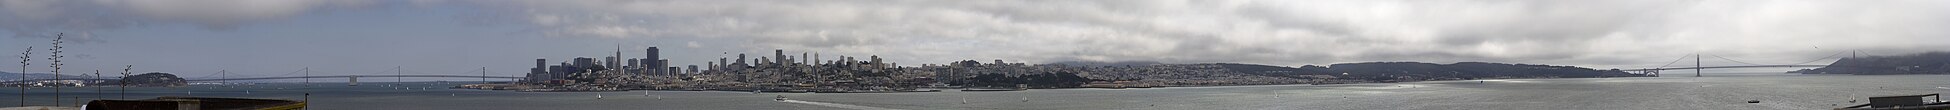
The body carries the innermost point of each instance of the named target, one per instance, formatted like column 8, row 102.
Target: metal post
column 307, row 101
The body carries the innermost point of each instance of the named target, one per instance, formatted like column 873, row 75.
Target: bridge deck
column 1716, row 67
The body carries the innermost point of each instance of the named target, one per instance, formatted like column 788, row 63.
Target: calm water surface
column 1775, row 91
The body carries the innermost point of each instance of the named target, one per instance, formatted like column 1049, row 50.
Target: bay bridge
column 1699, row 67
column 223, row 76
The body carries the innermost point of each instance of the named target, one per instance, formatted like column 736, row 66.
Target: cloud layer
column 81, row 18
column 1281, row 32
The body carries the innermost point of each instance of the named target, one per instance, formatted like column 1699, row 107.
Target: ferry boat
column 195, row 103
column 1906, row 102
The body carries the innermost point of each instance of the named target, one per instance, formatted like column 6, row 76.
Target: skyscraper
column 778, row 56
column 584, row 62
column 741, row 61
column 540, row 72
column 610, row 63
column 662, row 69
column 634, row 63
column 652, row 61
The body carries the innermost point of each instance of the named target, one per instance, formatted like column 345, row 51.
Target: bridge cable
column 1822, row 58
column 1736, row 61
column 1675, row 61
column 205, row 76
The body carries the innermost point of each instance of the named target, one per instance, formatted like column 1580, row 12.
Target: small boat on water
column 780, row 98
column 1906, row 102
column 195, row 103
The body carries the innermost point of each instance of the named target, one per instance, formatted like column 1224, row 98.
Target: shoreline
column 503, row 88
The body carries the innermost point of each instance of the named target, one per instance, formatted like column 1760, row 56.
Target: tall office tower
column 615, row 59
column 634, row 63
column 711, row 65
column 661, row 69
column 816, row 58
column 691, row 70
column 778, row 56
column 584, row 62
column 611, row 63
column 673, row 71
column 541, row 62
column 651, row 57
column 721, row 64
column 741, row 61
column 763, row 61
column 802, row 58
column 540, row 72
column 876, row 61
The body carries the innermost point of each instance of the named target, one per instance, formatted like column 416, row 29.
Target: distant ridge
column 1099, row 63
column 16, row 76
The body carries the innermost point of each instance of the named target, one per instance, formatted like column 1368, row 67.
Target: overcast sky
column 271, row 37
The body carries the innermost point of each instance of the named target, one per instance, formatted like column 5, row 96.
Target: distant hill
column 1923, row 63
column 16, row 76
column 1100, row 64
column 1394, row 70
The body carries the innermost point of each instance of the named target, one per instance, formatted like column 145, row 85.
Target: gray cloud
column 80, row 19
column 1598, row 33
column 1621, row 33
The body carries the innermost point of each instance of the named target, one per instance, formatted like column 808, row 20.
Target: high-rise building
column 584, row 62
column 611, row 63
column 673, row 71
column 741, row 61
column 651, row 57
column 691, row 70
column 615, row 60
column 540, row 72
column 778, row 56
column 665, row 71
column 634, row 63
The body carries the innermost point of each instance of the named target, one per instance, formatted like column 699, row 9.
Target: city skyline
column 358, row 37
